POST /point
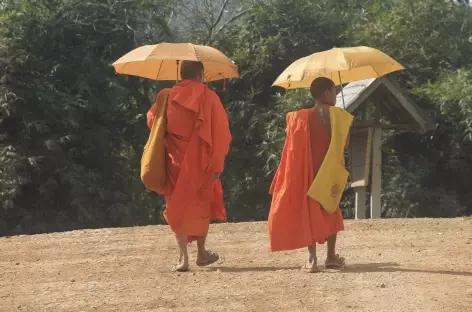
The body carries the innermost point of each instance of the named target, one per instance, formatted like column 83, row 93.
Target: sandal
column 211, row 258
column 178, row 269
column 336, row 263
column 309, row 268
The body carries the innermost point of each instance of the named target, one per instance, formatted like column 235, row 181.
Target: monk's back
column 319, row 136
column 183, row 108
column 296, row 219
column 180, row 121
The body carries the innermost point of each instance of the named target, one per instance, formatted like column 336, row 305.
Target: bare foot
column 181, row 266
column 335, row 263
column 311, row 266
column 206, row 258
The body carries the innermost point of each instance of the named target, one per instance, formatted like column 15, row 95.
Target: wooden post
column 376, row 185
column 360, row 202
column 361, row 142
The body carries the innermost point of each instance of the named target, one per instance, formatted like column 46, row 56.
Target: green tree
column 429, row 38
column 274, row 34
column 72, row 132
column 67, row 123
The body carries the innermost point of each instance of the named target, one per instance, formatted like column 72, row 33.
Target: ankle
column 183, row 256
column 331, row 256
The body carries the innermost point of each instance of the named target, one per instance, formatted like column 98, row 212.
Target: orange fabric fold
column 197, row 142
column 295, row 220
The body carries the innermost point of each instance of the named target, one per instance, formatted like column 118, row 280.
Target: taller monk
column 197, row 141
column 296, row 220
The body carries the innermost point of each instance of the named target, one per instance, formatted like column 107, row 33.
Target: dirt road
column 394, row 265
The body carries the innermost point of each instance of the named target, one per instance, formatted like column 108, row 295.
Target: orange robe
column 295, row 220
column 197, row 142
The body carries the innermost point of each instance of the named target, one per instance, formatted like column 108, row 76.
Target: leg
column 183, row 265
column 311, row 266
column 331, row 242
column 333, row 261
column 201, row 246
column 205, row 257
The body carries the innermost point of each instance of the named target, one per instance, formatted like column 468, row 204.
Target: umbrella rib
column 159, row 71
column 122, row 68
column 138, row 64
column 195, row 52
column 346, row 62
column 145, row 59
column 376, row 72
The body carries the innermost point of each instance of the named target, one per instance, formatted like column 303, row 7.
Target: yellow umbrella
column 162, row 61
column 341, row 65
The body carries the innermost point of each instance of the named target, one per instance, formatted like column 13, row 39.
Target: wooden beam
column 376, row 183
column 421, row 118
column 363, row 125
column 361, row 151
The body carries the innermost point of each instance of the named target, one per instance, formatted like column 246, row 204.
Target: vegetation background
column 72, row 132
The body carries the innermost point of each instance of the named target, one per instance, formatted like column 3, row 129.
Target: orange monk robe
column 296, row 220
column 197, row 142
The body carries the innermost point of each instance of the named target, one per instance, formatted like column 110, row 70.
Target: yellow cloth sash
column 331, row 180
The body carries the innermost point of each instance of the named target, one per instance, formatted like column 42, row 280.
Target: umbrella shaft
column 349, row 157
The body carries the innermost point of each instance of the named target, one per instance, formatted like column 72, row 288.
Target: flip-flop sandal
column 311, row 269
column 336, row 264
column 212, row 257
column 175, row 268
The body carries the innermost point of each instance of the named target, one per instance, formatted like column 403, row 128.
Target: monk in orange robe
column 197, row 141
column 296, row 220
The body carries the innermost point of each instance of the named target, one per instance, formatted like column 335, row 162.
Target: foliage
column 72, row 132
column 274, row 33
column 429, row 38
column 66, row 122
column 425, row 36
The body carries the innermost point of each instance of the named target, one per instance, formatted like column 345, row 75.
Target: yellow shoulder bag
column 153, row 161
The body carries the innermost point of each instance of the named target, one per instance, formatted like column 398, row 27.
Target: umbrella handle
column 349, row 134
column 177, row 76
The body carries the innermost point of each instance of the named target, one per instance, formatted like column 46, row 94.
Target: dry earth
column 394, row 265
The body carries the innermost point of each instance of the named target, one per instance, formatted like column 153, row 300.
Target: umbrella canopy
column 162, row 62
column 341, row 65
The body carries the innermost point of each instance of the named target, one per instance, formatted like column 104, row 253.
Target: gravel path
column 394, row 265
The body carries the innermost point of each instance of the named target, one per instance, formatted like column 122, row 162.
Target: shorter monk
column 197, row 141
column 296, row 220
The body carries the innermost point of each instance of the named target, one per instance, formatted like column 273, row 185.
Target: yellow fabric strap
column 331, row 180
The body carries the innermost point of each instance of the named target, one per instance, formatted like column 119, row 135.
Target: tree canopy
column 72, row 131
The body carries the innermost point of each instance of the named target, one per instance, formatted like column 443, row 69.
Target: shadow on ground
column 395, row 267
column 352, row 268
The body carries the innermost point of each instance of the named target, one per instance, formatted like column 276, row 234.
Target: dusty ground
column 394, row 265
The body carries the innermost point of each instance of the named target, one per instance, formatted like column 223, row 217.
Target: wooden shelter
column 378, row 104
